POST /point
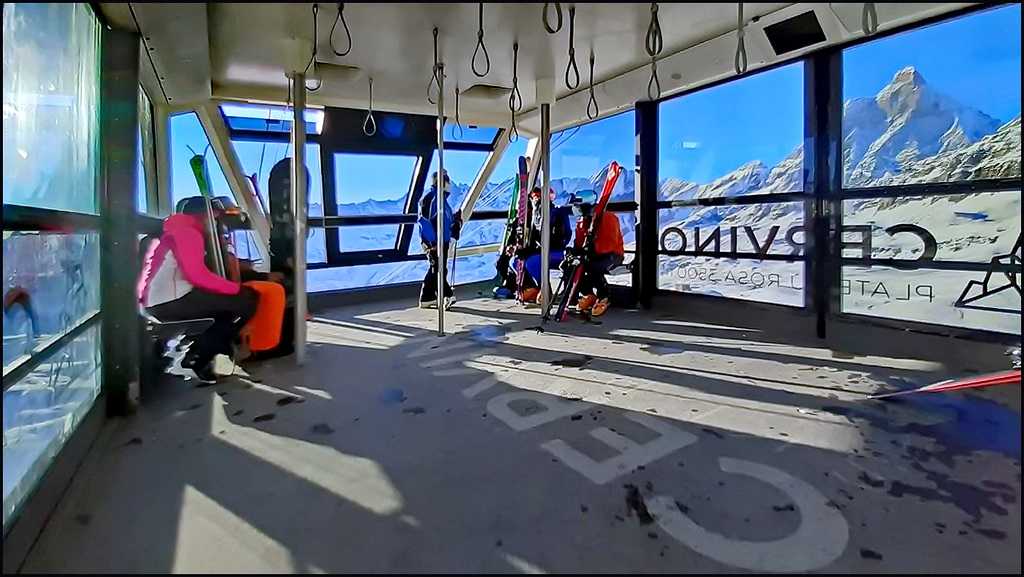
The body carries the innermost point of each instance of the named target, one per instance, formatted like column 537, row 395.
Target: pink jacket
column 175, row 264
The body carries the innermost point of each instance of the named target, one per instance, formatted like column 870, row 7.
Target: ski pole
column 455, row 252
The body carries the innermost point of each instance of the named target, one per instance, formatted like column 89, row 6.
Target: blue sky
column 974, row 60
column 706, row 134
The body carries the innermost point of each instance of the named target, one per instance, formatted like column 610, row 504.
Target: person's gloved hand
column 457, row 225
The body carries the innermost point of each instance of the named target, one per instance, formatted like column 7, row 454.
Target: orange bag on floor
column 264, row 329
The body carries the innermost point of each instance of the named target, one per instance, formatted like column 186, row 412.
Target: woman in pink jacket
column 177, row 285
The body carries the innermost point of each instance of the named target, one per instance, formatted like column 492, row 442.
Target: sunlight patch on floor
column 523, row 566
column 348, row 336
column 208, row 534
column 791, row 424
column 356, row 479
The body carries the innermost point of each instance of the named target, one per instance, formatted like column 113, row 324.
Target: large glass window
column 188, row 139
column 739, row 138
column 272, row 119
column 468, row 269
column 51, row 94
column 462, row 167
column 51, row 281
column 372, row 183
column 497, row 194
column 981, row 228
column 580, row 157
column 42, row 411
column 935, row 104
column 721, row 251
column 257, row 160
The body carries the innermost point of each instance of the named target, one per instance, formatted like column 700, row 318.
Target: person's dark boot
column 189, row 369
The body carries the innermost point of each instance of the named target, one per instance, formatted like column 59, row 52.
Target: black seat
column 166, row 330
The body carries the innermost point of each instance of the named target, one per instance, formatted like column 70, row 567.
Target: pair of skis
column 515, row 225
column 570, row 280
column 523, row 222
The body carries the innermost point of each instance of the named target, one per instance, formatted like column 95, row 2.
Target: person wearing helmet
column 561, row 234
column 176, row 283
column 430, row 240
column 606, row 252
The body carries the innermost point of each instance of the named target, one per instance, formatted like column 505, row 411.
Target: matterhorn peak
column 908, row 75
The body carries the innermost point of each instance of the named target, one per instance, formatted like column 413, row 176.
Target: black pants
column 229, row 314
column 594, row 270
column 429, row 290
column 506, row 272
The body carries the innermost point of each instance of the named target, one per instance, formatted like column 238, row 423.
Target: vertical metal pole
column 441, row 257
column 545, row 203
column 823, row 106
column 299, row 208
column 646, row 257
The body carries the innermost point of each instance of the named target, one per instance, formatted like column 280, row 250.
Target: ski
column 614, row 170
column 523, row 227
column 508, row 239
column 1006, row 378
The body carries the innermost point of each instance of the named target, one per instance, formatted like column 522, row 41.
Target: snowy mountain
column 906, row 122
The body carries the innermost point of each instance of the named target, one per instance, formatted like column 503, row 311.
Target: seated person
column 176, row 285
column 429, row 240
column 561, row 234
column 606, row 252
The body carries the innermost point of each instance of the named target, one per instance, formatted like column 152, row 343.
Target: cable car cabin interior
column 460, row 287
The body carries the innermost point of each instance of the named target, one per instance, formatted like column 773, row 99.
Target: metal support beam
column 822, row 121
column 469, row 204
column 646, row 258
column 162, row 147
column 119, row 260
column 149, row 160
column 241, row 189
column 300, row 208
column 533, row 167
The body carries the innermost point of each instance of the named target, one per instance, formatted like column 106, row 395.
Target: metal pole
column 440, row 201
column 545, row 203
column 299, row 208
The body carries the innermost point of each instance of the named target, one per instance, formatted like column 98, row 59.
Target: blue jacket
column 561, row 230
column 428, row 218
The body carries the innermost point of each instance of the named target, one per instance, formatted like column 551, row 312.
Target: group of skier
column 585, row 257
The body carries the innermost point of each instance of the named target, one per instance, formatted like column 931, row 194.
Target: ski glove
column 457, row 225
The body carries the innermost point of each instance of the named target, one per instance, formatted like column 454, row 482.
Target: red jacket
column 607, row 235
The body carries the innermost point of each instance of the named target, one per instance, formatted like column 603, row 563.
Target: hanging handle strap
column 592, row 103
column 558, row 12
column 370, row 124
column 480, row 46
column 869, row 19
column 434, row 81
column 740, row 61
column 348, row 34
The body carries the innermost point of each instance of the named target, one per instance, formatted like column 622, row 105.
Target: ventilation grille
column 486, row 92
column 794, row 33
